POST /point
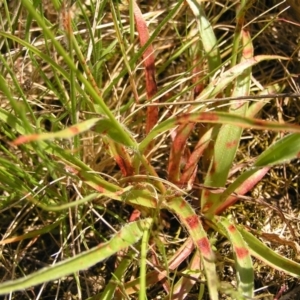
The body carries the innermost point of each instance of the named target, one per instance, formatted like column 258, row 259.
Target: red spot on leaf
column 208, row 116
column 100, row 189
column 24, row 139
column 213, row 167
column 74, row 129
column 259, row 122
column 182, row 204
column 231, row 144
column 119, row 193
column 206, row 193
column 119, row 160
column 204, row 246
column 153, row 202
column 231, row 228
column 193, row 222
column 210, row 147
column 206, row 207
column 241, row 252
column 135, row 215
column 71, row 170
column 183, row 119
column 247, row 52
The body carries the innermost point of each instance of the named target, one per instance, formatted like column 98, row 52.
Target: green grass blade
column 267, row 255
column 127, row 236
column 111, row 287
column 282, row 151
column 207, row 36
column 91, row 90
column 143, row 264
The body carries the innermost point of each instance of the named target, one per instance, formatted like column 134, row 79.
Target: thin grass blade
column 63, row 134
column 207, row 35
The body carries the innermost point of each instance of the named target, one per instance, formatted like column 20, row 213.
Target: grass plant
column 131, row 150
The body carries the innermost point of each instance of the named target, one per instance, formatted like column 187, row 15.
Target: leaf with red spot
column 63, row 134
column 242, row 185
column 282, row 151
column 193, row 224
column 243, row 262
column 216, row 118
column 192, row 162
column 177, row 151
column 228, row 139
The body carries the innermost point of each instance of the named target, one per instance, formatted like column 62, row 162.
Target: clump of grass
column 128, row 153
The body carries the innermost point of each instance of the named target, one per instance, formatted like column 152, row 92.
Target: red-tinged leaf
column 153, row 277
column 177, row 151
column 184, row 285
column 100, row 185
column 107, row 128
column 25, row 139
column 120, row 155
column 63, row 134
column 129, row 194
column 195, row 156
column 242, row 185
column 149, row 64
